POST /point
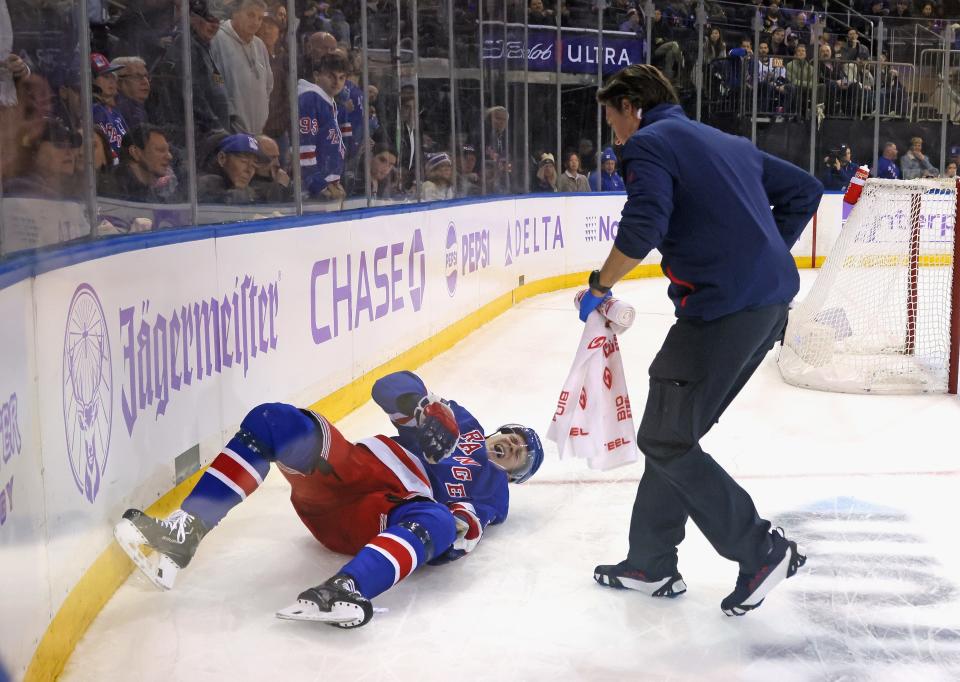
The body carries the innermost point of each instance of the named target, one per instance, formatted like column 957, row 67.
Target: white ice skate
column 336, row 602
column 159, row 547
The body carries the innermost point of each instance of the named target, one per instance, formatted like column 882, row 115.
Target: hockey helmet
column 534, row 451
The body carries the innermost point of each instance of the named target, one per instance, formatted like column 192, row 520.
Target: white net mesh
column 877, row 319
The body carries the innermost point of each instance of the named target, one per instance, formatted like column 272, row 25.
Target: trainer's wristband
column 594, row 283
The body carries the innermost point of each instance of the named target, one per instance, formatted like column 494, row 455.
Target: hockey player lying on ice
column 424, row 495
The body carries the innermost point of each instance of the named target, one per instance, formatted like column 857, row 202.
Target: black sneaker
column 173, row 542
column 624, row 576
column 781, row 563
column 336, row 602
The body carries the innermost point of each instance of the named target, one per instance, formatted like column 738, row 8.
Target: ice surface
column 866, row 484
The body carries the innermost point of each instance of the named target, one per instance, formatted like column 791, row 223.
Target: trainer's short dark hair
column 642, row 85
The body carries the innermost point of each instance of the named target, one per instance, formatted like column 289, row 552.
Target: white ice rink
column 868, row 485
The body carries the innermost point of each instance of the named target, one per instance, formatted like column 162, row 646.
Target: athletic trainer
column 703, row 198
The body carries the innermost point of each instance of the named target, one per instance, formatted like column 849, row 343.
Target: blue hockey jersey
column 350, row 117
column 111, row 122
column 601, row 181
column 465, row 476
column 321, row 143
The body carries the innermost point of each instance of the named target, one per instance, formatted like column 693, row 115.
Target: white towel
column 593, row 418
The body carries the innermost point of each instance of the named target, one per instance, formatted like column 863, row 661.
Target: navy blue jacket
column 703, row 198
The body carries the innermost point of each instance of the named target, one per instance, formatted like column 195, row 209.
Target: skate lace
column 177, row 523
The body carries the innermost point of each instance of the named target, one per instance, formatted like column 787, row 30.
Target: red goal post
column 882, row 315
column 955, row 302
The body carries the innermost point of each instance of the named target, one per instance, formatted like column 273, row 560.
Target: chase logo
column 87, row 390
column 450, row 267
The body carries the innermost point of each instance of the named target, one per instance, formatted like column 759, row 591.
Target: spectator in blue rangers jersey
column 321, row 143
column 607, row 179
column 422, row 496
column 887, row 163
column 723, row 215
column 350, row 100
column 105, row 115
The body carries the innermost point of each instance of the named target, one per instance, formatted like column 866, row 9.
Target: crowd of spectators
column 840, row 165
column 240, row 115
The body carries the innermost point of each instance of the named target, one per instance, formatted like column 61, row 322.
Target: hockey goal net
column 881, row 316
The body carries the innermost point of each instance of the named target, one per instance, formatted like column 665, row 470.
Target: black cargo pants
column 699, row 370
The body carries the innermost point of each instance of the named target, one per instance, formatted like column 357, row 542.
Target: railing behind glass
column 479, row 91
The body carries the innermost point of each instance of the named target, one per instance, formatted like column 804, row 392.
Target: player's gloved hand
column 437, row 429
column 590, row 302
column 469, row 528
column 469, row 531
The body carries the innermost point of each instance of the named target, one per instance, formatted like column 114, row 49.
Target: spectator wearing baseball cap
column 49, row 161
column 101, row 66
column 439, row 183
column 236, row 163
column 607, row 179
column 105, row 114
column 271, row 182
column 546, row 173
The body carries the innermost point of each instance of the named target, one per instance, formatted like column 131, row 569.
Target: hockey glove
column 437, row 429
column 589, row 303
column 469, row 528
column 469, row 531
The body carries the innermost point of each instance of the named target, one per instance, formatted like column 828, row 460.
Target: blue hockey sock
column 386, row 560
column 235, row 473
column 418, row 531
column 271, row 431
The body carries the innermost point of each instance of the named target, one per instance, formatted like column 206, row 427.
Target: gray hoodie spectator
column 245, row 64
